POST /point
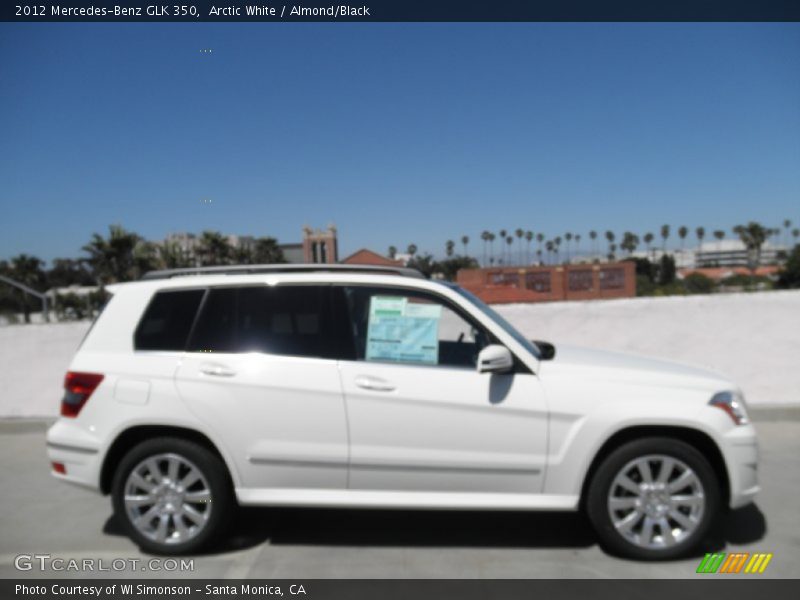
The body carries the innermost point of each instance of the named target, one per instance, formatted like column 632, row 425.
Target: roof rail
column 283, row 268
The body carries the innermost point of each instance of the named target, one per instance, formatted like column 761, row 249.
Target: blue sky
column 398, row 133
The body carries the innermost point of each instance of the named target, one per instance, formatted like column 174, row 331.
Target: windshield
column 494, row 316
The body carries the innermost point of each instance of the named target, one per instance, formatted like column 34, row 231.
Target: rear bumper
column 78, row 451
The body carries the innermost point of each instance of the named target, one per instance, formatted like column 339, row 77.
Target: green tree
column 465, row 243
column 392, row 252
column 412, row 250
column 213, row 249
column 172, row 256
column 753, row 236
column 697, row 283
column 630, row 241
column 449, row 268
column 27, row 270
column 113, row 259
column 65, row 272
column 266, row 251
column 666, row 270
column 448, row 247
column 424, row 263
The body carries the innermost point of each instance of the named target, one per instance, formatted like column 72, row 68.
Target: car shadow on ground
column 468, row 529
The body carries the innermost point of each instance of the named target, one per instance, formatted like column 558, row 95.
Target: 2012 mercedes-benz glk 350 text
column 199, row 390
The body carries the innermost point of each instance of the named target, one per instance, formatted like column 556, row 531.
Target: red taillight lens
column 59, row 468
column 78, row 387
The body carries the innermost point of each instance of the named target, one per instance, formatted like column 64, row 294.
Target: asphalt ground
column 41, row 516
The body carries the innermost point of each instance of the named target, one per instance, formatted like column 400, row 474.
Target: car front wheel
column 653, row 498
column 172, row 495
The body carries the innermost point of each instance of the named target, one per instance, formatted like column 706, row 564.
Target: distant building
column 368, row 257
column 502, row 285
column 732, row 253
column 317, row 246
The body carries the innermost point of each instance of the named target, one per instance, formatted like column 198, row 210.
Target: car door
column 260, row 372
column 421, row 418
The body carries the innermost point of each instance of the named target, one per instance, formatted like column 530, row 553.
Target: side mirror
column 547, row 349
column 495, row 359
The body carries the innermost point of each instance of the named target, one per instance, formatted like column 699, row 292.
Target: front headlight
column 733, row 404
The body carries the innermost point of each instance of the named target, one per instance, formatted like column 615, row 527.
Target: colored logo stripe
column 719, row 562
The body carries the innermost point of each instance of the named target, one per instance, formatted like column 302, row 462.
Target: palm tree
column 556, row 246
column 539, row 241
column 464, row 242
column 492, row 237
column 648, row 240
column 610, row 237
column 577, row 244
column 720, row 235
column 753, row 236
column 485, row 239
column 612, row 248
column 539, row 255
column 593, row 237
column 509, row 241
column 112, row 259
column 519, row 233
column 213, row 248
column 412, row 249
column 630, row 241
column 549, row 245
column 448, row 248
column 392, row 252
column 786, row 226
column 795, row 234
column 700, row 232
column 682, row 232
column 664, row 236
column 568, row 237
column 528, row 239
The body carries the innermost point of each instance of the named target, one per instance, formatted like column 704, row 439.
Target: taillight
column 78, row 387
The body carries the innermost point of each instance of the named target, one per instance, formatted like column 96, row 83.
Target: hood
column 617, row 366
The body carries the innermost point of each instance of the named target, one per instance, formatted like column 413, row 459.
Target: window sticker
column 403, row 331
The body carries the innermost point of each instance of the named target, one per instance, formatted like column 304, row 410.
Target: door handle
column 374, row 383
column 217, row 370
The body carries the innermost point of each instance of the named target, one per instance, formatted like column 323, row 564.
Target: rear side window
column 286, row 320
column 167, row 321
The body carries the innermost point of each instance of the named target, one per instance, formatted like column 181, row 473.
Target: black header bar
column 127, row 11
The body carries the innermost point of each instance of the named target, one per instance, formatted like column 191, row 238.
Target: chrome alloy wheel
column 656, row 501
column 167, row 498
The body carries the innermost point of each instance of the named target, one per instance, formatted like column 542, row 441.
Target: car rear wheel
column 653, row 498
column 172, row 496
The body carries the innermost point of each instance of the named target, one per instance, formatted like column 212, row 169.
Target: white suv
column 373, row 387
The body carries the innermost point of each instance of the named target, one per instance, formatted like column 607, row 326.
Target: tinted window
column 167, row 320
column 395, row 325
column 288, row 320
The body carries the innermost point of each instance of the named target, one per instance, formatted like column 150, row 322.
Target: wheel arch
column 696, row 438
column 132, row 436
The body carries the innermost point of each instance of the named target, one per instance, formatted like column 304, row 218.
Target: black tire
column 222, row 502
column 597, row 499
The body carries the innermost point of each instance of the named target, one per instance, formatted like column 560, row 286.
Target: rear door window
column 285, row 320
column 167, row 320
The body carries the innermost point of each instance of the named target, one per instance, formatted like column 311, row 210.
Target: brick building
column 502, row 285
